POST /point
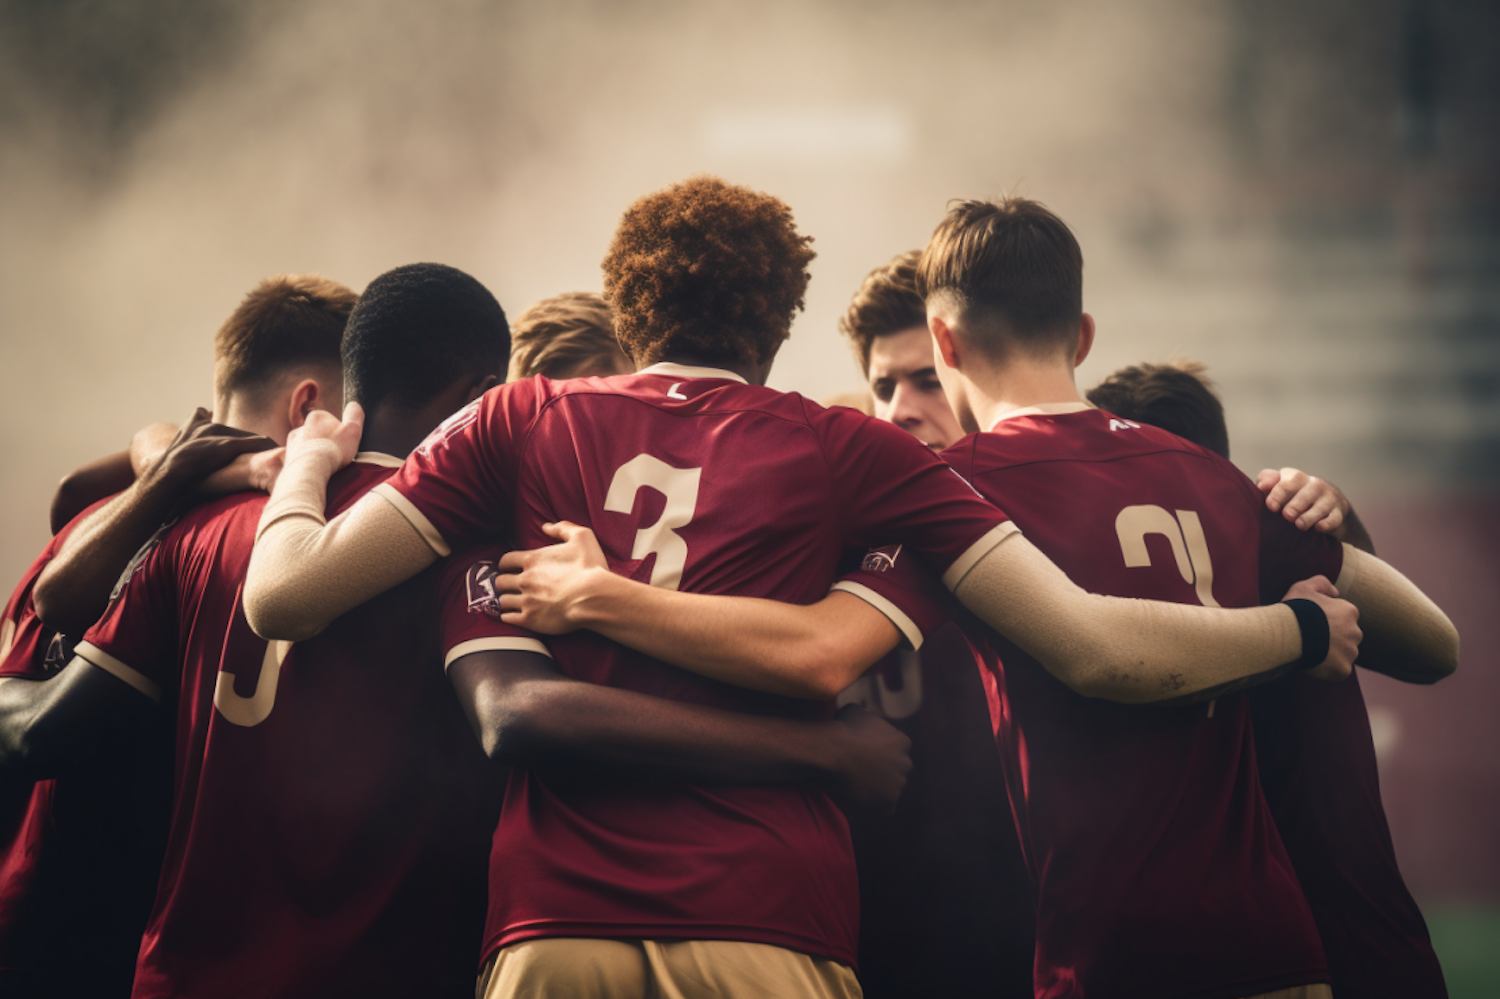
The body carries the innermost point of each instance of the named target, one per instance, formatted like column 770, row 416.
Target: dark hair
column 886, row 303
column 561, row 336
column 284, row 322
column 706, row 268
column 416, row 330
column 1176, row 397
column 1013, row 261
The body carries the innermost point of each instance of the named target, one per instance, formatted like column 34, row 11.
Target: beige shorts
column 588, row 968
column 1297, row 992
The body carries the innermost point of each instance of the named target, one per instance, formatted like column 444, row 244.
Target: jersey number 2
column 680, row 487
column 1183, row 532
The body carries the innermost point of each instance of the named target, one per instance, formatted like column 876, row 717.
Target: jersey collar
column 689, row 371
column 379, row 458
column 1046, row 409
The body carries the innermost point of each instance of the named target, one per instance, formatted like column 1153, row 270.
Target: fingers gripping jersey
column 1157, row 865
column 328, row 832
column 692, row 480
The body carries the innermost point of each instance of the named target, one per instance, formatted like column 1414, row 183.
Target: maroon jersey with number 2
column 691, row 479
column 1158, row 869
column 328, row 835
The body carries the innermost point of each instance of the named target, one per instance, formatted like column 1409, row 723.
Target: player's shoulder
column 1079, row 435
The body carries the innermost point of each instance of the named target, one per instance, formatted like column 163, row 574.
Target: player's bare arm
column 1312, row 503
column 1406, row 635
column 1167, row 652
column 527, row 714
column 307, row 571
column 73, row 590
column 813, row 650
column 47, row 725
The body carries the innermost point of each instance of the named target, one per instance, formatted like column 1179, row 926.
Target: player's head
column 276, row 358
column 706, row 272
column 1176, row 397
column 424, row 340
column 567, row 336
column 887, row 325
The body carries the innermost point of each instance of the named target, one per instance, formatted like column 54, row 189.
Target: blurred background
column 1304, row 195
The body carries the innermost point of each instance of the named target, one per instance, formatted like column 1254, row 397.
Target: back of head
column 1176, row 397
column 566, row 336
column 416, row 331
column 706, row 270
column 886, row 303
column 286, row 324
column 1013, row 273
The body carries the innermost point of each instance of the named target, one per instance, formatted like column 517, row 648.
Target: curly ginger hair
column 707, row 269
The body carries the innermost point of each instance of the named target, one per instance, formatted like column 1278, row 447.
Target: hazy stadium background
column 1304, row 195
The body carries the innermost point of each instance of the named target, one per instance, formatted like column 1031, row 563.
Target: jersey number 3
column 1183, row 532
column 680, row 487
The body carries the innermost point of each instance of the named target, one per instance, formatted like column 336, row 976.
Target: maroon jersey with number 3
column 692, row 479
column 328, row 833
column 1158, row 869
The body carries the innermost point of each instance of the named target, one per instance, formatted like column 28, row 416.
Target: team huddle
column 573, row 661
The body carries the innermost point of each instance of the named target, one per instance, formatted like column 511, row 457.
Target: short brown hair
column 558, row 335
column 706, row 268
column 1011, row 260
column 285, row 322
column 886, row 303
column 1177, row 397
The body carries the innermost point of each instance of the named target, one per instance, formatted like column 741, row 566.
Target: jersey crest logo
column 881, row 559
column 1123, row 425
column 672, row 392
column 481, row 589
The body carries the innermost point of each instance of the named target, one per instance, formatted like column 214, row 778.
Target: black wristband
column 1313, row 624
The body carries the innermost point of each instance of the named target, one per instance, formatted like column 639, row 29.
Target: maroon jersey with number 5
column 328, row 830
column 691, row 479
column 1157, row 866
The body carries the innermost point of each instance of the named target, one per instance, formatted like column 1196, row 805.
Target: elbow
column 276, row 619
column 1443, row 661
column 510, row 728
column 51, row 604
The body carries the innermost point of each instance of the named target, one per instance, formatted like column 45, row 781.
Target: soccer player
column 81, row 853
column 1156, row 864
column 566, row 336
column 945, row 901
column 696, row 476
column 886, row 323
column 1313, row 747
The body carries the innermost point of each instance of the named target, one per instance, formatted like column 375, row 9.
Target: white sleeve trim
column 898, row 617
column 978, row 550
column 418, row 519
column 495, row 644
column 96, row 656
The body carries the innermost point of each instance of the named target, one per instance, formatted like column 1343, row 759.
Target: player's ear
column 1085, row 339
column 480, row 387
column 944, row 343
column 304, row 399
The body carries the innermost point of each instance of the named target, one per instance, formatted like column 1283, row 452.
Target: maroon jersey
column 1157, row 866
column 691, row 479
column 945, row 898
column 1317, row 768
column 78, row 856
column 327, row 822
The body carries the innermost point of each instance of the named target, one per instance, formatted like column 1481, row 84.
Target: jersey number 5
column 1183, row 532
column 680, row 487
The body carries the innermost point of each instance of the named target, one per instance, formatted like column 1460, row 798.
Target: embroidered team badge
column 481, row 588
column 881, row 559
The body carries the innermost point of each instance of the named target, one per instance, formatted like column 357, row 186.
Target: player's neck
column 1020, row 385
column 755, row 374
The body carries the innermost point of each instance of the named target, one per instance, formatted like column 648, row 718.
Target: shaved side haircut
column 1012, row 270
column 285, row 323
column 886, row 303
column 416, row 330
column 571, row 335
column 1177, row 397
